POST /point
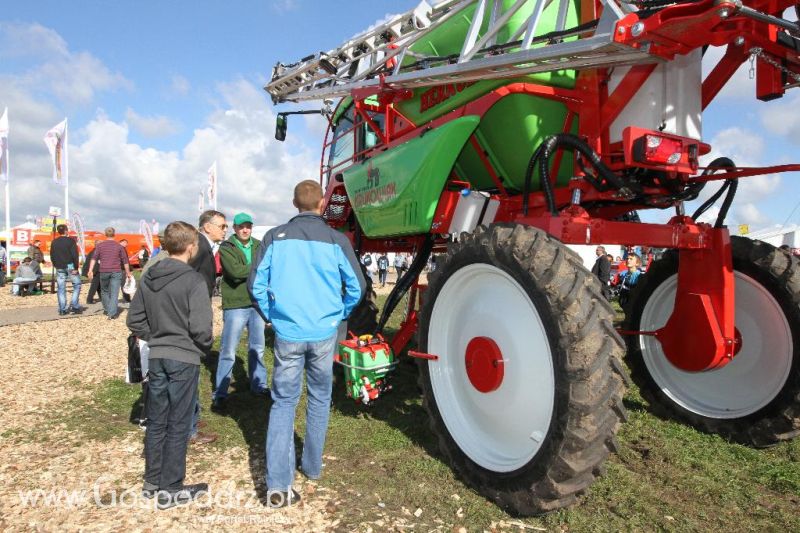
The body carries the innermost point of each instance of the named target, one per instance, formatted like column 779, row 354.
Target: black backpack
column 367, row 260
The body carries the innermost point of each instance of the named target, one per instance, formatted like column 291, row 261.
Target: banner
column 201, row 205
column 212, row 185
column 147, row 232
column 77, row 227
column 56, row 141
column 4, row 146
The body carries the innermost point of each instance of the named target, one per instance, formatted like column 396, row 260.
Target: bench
column 27, row 286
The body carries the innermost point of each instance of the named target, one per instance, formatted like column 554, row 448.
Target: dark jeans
column 94, row 289
column 170, row 401
column 382, row 276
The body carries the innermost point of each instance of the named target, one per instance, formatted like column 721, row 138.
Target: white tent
column 778, row 235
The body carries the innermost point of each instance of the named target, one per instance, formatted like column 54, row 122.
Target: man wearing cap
column 236, row 255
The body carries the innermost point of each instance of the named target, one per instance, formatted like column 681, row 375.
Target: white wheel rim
column 500, row 430
column 749, row 382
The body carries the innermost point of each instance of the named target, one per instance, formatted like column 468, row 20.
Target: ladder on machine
column 376, row 57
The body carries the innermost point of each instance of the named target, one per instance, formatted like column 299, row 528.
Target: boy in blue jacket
column 305, row 281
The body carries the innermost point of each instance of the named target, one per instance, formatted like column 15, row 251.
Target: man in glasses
column 213, row 227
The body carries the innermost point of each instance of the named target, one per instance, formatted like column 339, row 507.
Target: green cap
column 242, row 218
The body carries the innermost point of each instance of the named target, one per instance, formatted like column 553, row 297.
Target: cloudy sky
column 156, row 91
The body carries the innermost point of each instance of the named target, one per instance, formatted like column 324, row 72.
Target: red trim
column 423, row 355
column 485, row 364
column 476, row 145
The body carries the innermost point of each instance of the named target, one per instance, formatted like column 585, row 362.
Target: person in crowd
column 305, row 300
column 602, row 269
column 125, row 296
column 64, row 256
column 37, row 257
column 383, row 268
column 113, row 260
column 629, row 278
column 171, row 311
column 25, row 276
column 143, row 256
column 372, row 267
column 2, row 265
column 399, row 265
column 94, row 284
column 236, row 255
column 212, row 226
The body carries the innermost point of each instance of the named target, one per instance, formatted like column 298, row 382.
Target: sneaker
column 76, row 310
column 62, row 313
column 218, row 405
column 277, row 499
column 168, row 499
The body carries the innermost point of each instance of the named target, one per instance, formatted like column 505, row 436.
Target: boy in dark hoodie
column 172, row 312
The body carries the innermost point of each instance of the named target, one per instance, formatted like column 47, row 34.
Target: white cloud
column 30, row 40
column 780, row 117
column 116, row 182
column 739, row 86
column 180, row 86
column 282, row 6
column 151, row 127
column 72, row 77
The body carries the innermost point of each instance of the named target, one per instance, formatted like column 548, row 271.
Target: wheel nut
column 637, row 29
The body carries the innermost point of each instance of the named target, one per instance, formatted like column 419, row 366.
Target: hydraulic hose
column 404, row 283
column 729, row 185
column 571, row 142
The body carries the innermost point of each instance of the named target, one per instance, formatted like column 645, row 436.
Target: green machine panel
column 396, row 192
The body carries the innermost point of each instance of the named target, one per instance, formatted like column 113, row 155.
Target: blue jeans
column 110, row 282
column 287, row 380
column 234, row 322
column 61, row 283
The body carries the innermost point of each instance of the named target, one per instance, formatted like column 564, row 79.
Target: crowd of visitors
column 618, row 276
column 303, row 279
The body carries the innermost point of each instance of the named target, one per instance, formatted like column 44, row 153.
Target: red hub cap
column 484, row 362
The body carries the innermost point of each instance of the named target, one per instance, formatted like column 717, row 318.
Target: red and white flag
column 56, row 141
column 201, row 204
column 212, row 185
column 4, row 146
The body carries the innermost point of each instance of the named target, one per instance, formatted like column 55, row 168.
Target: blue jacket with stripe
column 305, row 279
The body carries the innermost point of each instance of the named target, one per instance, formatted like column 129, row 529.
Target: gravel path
column 59, row 480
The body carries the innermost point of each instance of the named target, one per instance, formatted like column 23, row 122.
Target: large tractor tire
column 526, row 394
column 754, row 399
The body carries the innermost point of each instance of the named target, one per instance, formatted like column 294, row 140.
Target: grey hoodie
column 172, row 312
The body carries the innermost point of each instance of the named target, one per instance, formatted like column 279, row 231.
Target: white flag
column 4, row 146
column 201, row 205
column 56, row 141
column 212, row 185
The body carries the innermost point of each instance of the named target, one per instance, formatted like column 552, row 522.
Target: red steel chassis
column 705, row 301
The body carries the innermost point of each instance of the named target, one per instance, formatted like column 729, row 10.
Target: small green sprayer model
column 494, row 133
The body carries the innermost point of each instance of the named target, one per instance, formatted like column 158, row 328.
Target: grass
column 384, row 462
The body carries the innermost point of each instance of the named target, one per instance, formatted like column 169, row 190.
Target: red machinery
column 713, row 328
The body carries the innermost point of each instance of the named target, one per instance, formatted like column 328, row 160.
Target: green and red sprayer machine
column 495, row 133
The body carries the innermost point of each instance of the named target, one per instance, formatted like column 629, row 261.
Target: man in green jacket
column 238, row 312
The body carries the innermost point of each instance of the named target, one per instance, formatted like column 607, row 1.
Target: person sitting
column 26, row 277
column 629, row 278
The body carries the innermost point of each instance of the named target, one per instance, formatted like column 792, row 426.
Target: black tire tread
column 590, row 404
column 780, row 273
